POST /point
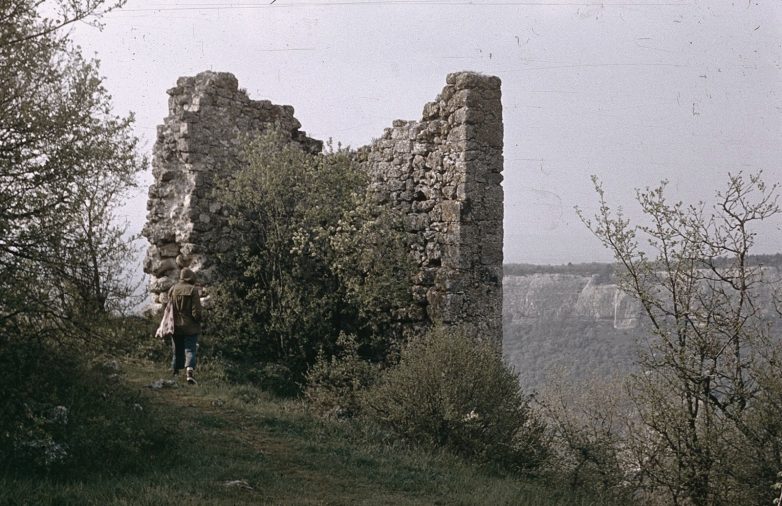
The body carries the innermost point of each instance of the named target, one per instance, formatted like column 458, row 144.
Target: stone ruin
column 443, row 172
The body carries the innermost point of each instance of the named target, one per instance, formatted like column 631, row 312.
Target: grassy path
column 235, row 445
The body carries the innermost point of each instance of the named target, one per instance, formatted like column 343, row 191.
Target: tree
column 312, row 258
column 98, row 254
column 65, row 161
column 703, row 391
column 65, row 164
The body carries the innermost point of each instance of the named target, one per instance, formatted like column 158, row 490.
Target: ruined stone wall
column 198, row 142
column 443, row 172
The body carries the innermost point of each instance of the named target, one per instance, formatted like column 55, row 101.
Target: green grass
column 284, row 454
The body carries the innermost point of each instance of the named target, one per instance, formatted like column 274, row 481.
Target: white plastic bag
column 165, row 330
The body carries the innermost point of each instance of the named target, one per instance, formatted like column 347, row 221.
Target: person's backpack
column 166, row 328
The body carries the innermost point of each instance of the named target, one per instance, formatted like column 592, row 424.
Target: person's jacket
column 187, row 308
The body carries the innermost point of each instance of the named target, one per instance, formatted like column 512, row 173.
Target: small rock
column 162, row 383
column 59, row 414
column 238, row 484
column 111, row 365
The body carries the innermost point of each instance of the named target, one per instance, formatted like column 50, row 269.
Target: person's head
column 187, row 276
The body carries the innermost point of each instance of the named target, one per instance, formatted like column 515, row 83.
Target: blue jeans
column 184, row 348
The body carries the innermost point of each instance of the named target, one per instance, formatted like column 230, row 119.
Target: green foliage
column 285, row 455
column 335, row 384
column 313, row 260
column 452, row 391
column 59, row 413
column 708, row 434
column 588, row 422
column 65, row 162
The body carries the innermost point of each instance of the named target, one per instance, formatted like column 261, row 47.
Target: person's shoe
column 175, row 372
column 190, row 379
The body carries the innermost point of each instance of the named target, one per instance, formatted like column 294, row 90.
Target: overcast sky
column 633, row 91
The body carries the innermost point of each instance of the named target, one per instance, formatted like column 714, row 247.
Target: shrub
column 335, row 384
column 59, row 413
column 588, row 423
column 312, row 259
column 452, row 391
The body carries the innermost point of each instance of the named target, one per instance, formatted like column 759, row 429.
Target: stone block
column 433, row 252
column 157, row 235
column 469, row 235
column 416, row 222
column 494, row 179
column 163, row 266
column 463, row 80
column 467, row 115
column 491, row 255
column 167, row 174
column 403, row 147
column 490, row 275
column 451, row 211
column 452, row 307
column 158, row 285
column 168, row 250
column 488, row 134
column 183, row 261
column 431, row 110
column 458, row 135
column 426, row 276
column 420, row 148
column 459, row 99
column 424, row 206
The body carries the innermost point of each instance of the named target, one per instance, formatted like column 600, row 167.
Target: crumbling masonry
column 444, row 172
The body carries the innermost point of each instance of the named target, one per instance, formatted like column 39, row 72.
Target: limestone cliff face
column 567, row 296
column 581, row 325
column 576, row 323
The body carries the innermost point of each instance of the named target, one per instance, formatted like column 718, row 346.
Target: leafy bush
column 335, row 384
column 60, row 413
column 588, row 423
column 452, row 391
column 312, row 259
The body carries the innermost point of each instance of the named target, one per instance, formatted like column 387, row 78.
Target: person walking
column 186, row 301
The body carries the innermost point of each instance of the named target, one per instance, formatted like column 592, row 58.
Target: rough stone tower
column 443, row 172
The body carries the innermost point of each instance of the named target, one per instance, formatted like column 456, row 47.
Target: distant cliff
column 567, row 321
column 575, row 319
